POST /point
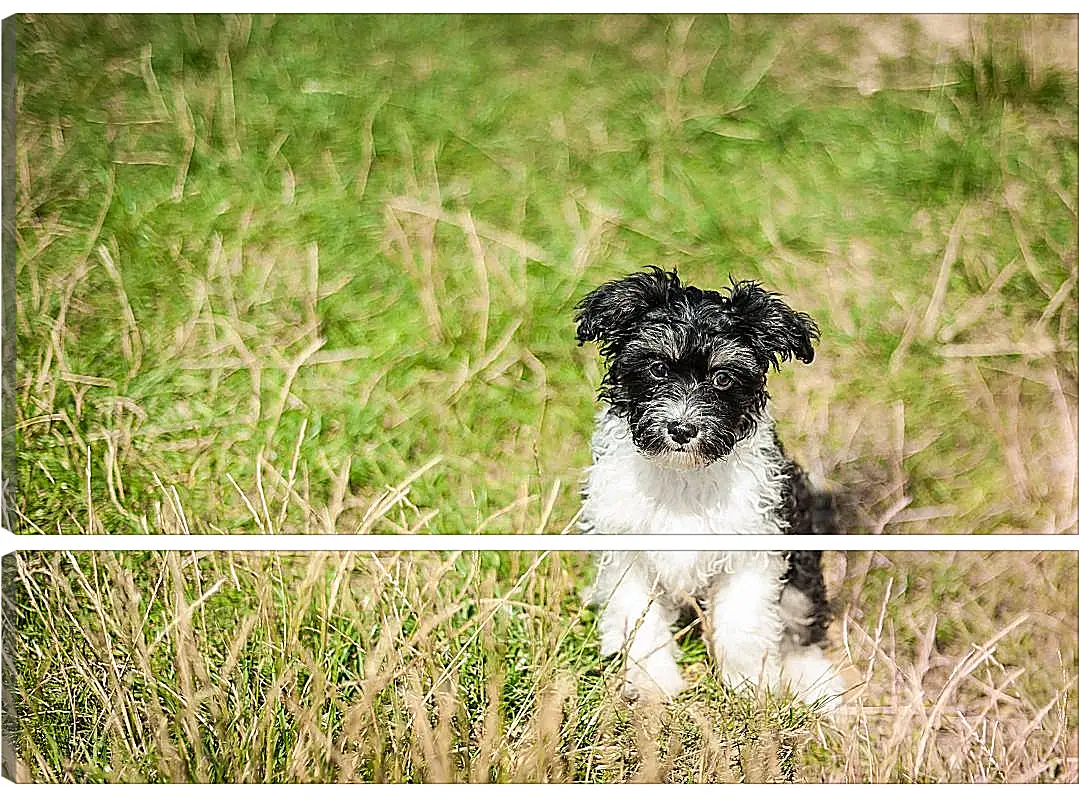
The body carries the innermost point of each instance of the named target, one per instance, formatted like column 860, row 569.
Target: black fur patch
column 807, row 511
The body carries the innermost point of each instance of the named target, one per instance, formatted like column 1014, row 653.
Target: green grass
column 310, row 274
column 271, row 268
column 334, row 667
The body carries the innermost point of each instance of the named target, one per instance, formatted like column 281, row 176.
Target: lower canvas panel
column 486, row 666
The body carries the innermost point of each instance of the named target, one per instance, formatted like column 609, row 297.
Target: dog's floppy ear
column 771, row 325
column 611, row 312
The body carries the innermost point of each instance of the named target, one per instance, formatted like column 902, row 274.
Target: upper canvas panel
column 319, row 273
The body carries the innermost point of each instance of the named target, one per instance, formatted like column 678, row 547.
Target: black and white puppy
column 685, row 444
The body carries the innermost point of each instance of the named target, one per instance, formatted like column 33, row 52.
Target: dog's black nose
column 682, row 432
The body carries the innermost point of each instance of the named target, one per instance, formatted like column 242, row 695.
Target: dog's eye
column 722, row 380
column 658, row 369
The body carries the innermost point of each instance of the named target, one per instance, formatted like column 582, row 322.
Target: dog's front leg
column 746, row 625
column 639, row 619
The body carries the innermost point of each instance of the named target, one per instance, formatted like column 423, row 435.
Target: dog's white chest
column 627, row 493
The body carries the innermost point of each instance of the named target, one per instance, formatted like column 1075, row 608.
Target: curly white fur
column 628, row 493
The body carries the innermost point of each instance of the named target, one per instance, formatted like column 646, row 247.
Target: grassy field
column 316, row 274
column 484, row 667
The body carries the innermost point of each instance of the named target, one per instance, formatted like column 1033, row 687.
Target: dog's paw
column 813, row 678
column 656, row 679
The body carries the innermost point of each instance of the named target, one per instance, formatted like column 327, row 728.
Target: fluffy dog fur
column 685, row 444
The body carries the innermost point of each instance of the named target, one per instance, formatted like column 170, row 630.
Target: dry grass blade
column 966, row 317
column 972, row 661
column 1037, row 346
column 509, row 240
column 132, row 340
column 393, row 496
column 940, row 288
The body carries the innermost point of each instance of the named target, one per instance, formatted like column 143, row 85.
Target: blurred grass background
column 344, row 667
column 316, row 273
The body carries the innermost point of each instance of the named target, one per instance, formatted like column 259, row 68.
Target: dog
column 685, row 443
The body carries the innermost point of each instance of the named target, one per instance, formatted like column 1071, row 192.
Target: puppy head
column 686, row 368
